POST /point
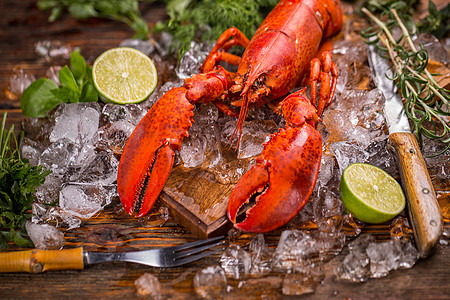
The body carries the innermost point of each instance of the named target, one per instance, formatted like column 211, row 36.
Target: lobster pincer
column 149, row 153
column 285, row 173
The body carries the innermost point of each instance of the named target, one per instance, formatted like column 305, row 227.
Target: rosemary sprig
column 427, row 104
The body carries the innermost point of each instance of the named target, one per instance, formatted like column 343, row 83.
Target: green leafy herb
column 18, row 180
column 427, row 103
column 126, row 11
column 206, row 20
column 76, row 86
column 437, row 22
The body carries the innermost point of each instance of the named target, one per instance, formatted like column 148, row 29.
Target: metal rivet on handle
column 411, row 150
column 37, row 268
column 433, row 223
column 425, row 191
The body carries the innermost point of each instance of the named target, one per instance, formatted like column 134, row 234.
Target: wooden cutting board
column 197, row 201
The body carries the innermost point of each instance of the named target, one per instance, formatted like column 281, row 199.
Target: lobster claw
column 148, row 156
column 283, row 178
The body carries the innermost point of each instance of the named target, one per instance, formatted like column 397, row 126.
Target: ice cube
column 84, row 200
column 295, row 248
column 19, row 81
column 114, row 136
column 370, row 259
column 53, row 49
column 354, row 267
column 53, row 74
column 53, row 214
column 102, row 169
column 48, row 192
column 192, row 151
column 148, row 285
column 235, row 261
column 45, row 236
column 254, row 134
column 59, row 156
column 76, row 122
column 261, row 256
column 131, row 113
column 192, row 60
column 145, row 47
column 30, row 150
column 347, row 154
column 384, row 257
column 210, row 282
column 303, row 281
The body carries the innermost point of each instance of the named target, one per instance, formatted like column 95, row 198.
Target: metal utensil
column 37, row 261
column 423, row 208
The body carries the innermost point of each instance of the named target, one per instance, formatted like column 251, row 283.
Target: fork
column 37, row 261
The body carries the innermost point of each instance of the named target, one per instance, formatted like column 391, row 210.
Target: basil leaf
column 82, row 10
column 67, row 80
column 66, row 95
column 37, row 99
column 78, row 67
column 89, row 93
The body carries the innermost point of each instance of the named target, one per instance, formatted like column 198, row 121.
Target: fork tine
column 179, row 262
column 196, row 243
column 181, row 254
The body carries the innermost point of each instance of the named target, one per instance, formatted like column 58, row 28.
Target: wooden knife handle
column 424, row 211
column 37, row 261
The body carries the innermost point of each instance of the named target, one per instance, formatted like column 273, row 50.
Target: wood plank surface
column 112, row 230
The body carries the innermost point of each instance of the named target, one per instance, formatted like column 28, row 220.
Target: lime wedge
column 124, row 75
column 371, row 194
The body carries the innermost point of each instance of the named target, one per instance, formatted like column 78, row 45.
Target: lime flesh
column 124, row 75
column 371, row 194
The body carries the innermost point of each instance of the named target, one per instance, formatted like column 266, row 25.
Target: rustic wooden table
column 21, row 26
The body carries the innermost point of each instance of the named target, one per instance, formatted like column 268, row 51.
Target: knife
column 423, row 208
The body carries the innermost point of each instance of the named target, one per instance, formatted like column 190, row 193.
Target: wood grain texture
column 423, row 207
column 112, row 230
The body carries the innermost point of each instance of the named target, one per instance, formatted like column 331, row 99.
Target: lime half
column 371, row 194
column 124, row 75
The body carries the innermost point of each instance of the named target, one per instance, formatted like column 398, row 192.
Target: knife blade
column 423, row 208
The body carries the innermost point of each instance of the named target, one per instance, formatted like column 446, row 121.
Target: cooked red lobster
column 281, row 55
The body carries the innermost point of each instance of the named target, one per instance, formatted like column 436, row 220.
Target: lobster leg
column 148, row 156
column 230, row 37
column 320, row 72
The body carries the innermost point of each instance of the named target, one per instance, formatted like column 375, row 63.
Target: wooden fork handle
column 38, row 261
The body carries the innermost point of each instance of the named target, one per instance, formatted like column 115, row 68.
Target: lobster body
column 279, row 57
column 284, row 45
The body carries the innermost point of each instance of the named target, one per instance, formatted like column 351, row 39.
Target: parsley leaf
column 18, row 181
column 206, row 20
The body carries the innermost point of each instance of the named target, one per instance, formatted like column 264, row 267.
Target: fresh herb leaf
column 126, row 11
column 206, row 20
column 78, row 66
column 68, row 80
column 38, row 98
column 18, row 182
column 427, row 104
column 436, row 22
column 76, row 86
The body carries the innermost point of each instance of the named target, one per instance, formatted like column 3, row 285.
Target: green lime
column 371, row 194
column 124, row 75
